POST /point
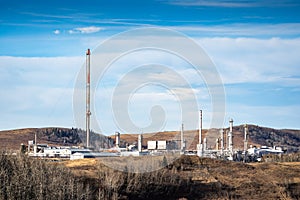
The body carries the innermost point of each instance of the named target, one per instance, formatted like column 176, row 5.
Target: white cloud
column 269, row 116
column 251, row 60
column 86, row 30
column 37, row 91
column 215, row 3
column 52, row 71
column 243, row 30
column 239, row 60
column 56, row 32
column 32, row 87
column 233, row 4
column 47, row 15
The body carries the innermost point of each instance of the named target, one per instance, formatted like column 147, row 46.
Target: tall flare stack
column 200, row 148
column 200, row 127
column 88, row 111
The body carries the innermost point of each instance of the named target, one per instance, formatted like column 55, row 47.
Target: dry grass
column 12, row 139
column 188, row 177
column 203, row 177
column 88, row 162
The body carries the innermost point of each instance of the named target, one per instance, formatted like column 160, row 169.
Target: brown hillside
column 191, row 177
column 258, row 136
column 289, row 139
column 11, row 139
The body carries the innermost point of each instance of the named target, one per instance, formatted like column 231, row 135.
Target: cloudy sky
column 254, row 45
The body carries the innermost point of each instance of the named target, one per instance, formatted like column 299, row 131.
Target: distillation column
column 117, row 136
column 140, row 141
column 35, row 144
column 217, row 144
column 182, row 146
column 222, row 141
column 230, row 143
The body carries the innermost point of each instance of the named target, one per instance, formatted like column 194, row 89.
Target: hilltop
column 11, row 139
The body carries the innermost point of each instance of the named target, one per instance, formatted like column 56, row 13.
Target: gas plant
column 224, row 146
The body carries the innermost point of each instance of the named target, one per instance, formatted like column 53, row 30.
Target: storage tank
column 162, row 145
column 151, row 145
column 140, row 141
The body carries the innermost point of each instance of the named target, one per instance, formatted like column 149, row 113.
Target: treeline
column 24, row 178
column 188, row 177
column 288, row 139
column 74, row 136
column 61, row 135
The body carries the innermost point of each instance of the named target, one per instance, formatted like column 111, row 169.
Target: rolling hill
column 286, row 138
column 11, row 139
column 258, row 136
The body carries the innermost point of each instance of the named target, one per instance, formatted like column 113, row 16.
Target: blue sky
column 255, row 46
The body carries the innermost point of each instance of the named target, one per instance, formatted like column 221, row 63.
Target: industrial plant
column 224, row 146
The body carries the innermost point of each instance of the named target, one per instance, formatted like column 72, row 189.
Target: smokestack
column 182, row 138
column 140, row 141
column 222, row 140
column 200, row 127
column 35, row 144
column 230, row 143
column 200, row 145
column 117, row 139
column 217, row 144
column 88, row 111
column 230, row 125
